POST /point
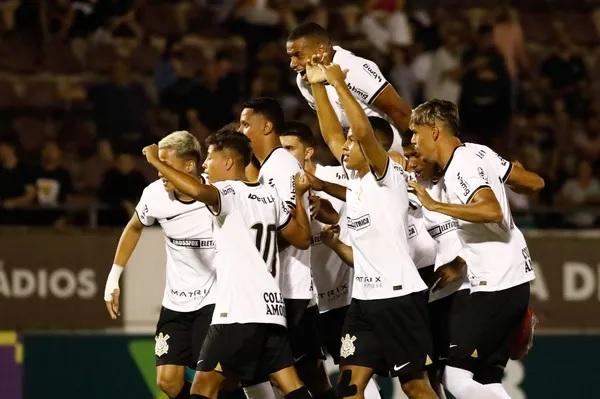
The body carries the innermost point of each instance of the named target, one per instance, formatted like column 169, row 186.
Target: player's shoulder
column 155, row 190
column 356, row 63
column 462, row 157
column 281, row 161
column 333, row 174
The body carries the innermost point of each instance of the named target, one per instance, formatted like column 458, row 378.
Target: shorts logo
column 161, row 347
column 348, row 347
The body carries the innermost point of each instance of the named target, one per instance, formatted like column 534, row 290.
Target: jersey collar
column 451, row 158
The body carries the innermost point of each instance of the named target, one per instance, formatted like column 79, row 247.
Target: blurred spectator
column 509, row 39
column 121, row 188
column 385, row 24
column 581, row 190
column 564, row 66
column 587, row 141
column 485, row 98
column 92, row 169
column 16, row 188
column 120, row 105
column 52, row 181
column 443, row 80
column 403, row 77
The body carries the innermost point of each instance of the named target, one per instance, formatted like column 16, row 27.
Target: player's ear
column 435, row 132
column 229, row 162
column 268, row 127
column 308, row 153
column 190, row 165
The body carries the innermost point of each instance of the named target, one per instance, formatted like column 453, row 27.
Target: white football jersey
column 377, row 222
column 496, row 253
column 365, row 81
column 245, row 226
column 444, row 231
column 331, row 276
column 420, row 244
column 190, row 250
column 278, row 171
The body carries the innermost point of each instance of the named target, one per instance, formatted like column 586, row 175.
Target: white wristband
column 112, row 282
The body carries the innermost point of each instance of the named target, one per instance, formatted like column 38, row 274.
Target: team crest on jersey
column 348, row 347
column 161, row 347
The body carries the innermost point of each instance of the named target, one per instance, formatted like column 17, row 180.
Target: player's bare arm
column 524, row 181
column 330, row 126
column 297, row 231
column 449, row 273
column 326, row 213
column 187, row 184
column 331, row 237
column 483, row 207
column 362, row 131
column 394, row 106
column 335, row 190
column 127, row 243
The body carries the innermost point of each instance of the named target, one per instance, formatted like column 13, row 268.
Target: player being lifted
column 498, row 262
column 188, row 300
column 247, row 339
column 261, row 120
column 386, row 328
column 370, row 88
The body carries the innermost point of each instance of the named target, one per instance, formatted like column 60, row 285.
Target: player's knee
column 417, row 388
column 169, row 384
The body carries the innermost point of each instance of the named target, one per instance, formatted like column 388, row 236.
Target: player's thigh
column 330, row 329
column 173, row 341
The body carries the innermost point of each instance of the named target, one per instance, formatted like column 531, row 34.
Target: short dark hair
column 383, row 131
column 300, row 130
column 269, row 108
column 440, row 110
column 309, row 29
column 230, row 139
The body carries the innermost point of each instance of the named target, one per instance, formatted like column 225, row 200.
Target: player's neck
column 270, row 143
column 446, row 149
column 310, row 166
column 363, row 170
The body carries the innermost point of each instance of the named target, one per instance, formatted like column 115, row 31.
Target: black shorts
column 303, row 329
column 330, row 329
column 248, row 352
column 179, row 335
column 439, row 317
column 391, row 336
column 482, row 326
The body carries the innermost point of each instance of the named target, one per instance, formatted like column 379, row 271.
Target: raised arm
column 187, row 184
column 359, row 123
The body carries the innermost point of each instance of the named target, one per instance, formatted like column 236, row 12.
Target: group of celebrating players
column 403, row 261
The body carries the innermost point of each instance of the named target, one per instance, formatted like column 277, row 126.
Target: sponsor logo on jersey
column 316, row 239
column 359, row 223
column 190, row 294
column 265, row 200
column 347, row 348
column 480, row 154
column 463, row 184
column 412, row 231
column 334, row 293
column 227, row 190
column 359, row 92
column 482, row 173
column 193, row 242
column 372, row 72
column 275, row 306
column 144, row 212
column 341, row 176
column 443, row 228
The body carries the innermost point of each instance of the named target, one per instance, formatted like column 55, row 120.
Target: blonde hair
column 184, row 144
column 436, row 110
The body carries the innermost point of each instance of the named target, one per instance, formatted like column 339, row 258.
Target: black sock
column 196, row 396
column 185, row 391
column 235, row 394
column 330, row 394
column 300, row 393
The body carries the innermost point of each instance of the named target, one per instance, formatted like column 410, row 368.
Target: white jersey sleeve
column 226, row 199
column 364, row 78
column 468, row 178
column 502, row 165
column 393, row 174
column 145, row 209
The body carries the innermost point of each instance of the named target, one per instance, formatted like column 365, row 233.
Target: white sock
column 263, row 390
column 498, row 389
column 372, row 390
column 460, row 383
